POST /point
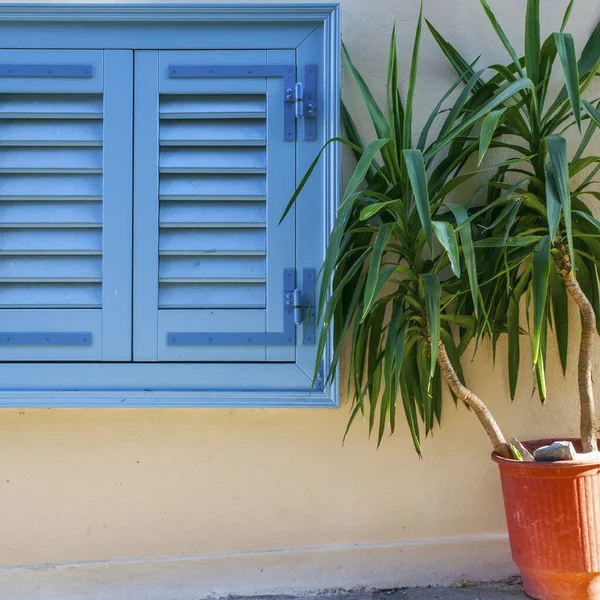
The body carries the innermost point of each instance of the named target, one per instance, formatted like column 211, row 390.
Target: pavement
column 509, row 589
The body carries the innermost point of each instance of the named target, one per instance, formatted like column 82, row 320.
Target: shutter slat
column 51, row 201
column 211, row 143
column 212, row 185
column 212, row 295
column 47, row 116
column 48, row 295
column 233, row 212
column 50, row 240
column 220, row 157
column 34, row 252
column 211, row 253
column 57, row 106
column 51, row 198
column 51, row 280
column 36, row 213
column 212, row 201
column 45, row 225
column 52, row 267
column 51, row 185
column 52, row 133
column 211, row 240
column 51, row 159
column 206, row 225
column 240, row 132
column 212, row 268
column 211, row 116
column 212, row 103
column 212, row 279
column 214, row 170
column 213, row 198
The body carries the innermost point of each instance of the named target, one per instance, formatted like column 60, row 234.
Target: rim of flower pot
column 563, row 464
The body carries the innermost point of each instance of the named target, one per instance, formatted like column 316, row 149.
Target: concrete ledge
column 287, row 571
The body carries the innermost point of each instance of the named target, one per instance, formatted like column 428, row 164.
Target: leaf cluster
column 407, row 269
column 544, row 230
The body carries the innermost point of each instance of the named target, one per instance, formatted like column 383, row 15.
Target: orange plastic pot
column 553, row 517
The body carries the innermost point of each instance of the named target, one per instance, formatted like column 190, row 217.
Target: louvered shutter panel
column 65, row 205
column 213, row 175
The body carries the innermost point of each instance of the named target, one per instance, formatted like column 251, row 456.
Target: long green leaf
column 593, row 113
column 415, row 167
column 425, row 383
column 374, row 361
column 412, row 84
column 567, row 15
column 458, row 107
column 371, row 210
column 500, row 32
column 410, row 412
column 488, row 128
column 433, row 293
column 532, row 40
column 557, row 150
column 513, row 328
column 354, row 138
column 541, row 274
column 590, row 55
column 560, row 312
column 553, row 203
column 502, row 242
column 391, row 384
column 540, row 373
column 380, row 123
column 447, row 238
column 547, row 58
column 588, row 218
column 579, row 165
column 381, row 242
column 395, row 108
column 461, row 216
column 566, row 52
column 436, row 112
column 452, row 352
column 514, row 344
column 460, row 65
column 359, row 174
column 503, row 94
column 436, row 394
column 343, row 215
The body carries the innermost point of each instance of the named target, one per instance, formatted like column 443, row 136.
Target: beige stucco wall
column 108, row 485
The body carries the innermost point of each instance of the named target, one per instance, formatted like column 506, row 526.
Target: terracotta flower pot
column 553, row 516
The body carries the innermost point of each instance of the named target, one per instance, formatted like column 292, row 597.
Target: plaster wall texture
column 181, row 503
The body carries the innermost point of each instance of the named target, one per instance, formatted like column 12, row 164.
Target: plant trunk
column 584, row 372
column 501, row 448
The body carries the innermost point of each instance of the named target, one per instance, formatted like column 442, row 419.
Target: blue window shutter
column 65, row 205
column 213, row 175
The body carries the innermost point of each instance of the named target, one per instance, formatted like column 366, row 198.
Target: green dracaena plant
column 394, row 295
column 542, row 233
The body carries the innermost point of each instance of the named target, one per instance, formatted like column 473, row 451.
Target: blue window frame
column 147, row 153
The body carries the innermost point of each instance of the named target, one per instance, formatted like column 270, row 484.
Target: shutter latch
column 305, row 100
column 299, row 98
column 297, row 306
column 304, row 109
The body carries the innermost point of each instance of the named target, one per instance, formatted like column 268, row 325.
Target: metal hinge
column 297, row 310
column 305, row 100
column 299, row 98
